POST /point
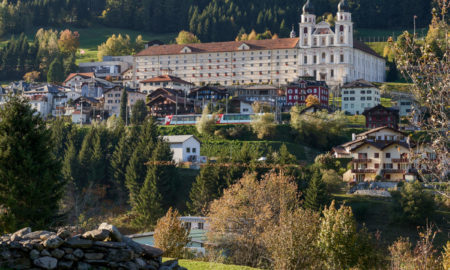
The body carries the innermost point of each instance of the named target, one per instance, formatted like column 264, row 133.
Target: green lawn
column 378, row 47
column 374, row 33
column 198, row 265
column 356, row 120
column 388, row 87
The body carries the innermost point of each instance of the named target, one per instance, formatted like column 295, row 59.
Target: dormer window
column 244, row 47
column 186, row 50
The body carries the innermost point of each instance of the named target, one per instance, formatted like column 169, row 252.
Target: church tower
column 344, row 25
column 307, row 25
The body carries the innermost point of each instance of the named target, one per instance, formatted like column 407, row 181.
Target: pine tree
column 166, row 173
column 316, row 194
column 205, row 189
column 119, row 161
column 31, row 185
column 124, row 107
column 55, row 71
column 148, row 204
column 138, row 112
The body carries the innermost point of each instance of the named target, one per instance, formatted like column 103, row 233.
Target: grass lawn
column 378, row 47
column 356, row 120
column 388, row 87
column 198, row 265
column 375, row 33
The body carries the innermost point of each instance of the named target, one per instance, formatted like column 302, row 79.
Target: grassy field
column 378, row 47
column 374, row 33
column 198, row 265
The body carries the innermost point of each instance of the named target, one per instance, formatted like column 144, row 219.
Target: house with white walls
column 185, row 148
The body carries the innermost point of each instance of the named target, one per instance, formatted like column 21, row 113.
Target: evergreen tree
column 136, row 169
column 139, row 112
column 119, row 161
column 55, row 71
column 205, row 189
column 317, row 194
column 124, row 106
column 31, row 184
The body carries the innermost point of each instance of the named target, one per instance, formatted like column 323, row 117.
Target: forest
column 210, row 20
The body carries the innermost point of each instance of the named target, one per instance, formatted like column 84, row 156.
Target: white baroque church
column 328, row 54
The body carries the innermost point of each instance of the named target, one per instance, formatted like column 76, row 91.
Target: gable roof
column 228, row 46
column 166, row 78
column 378, row 107
column 179, row 138
column 381, row 144
column 85, row 75
column 365, row 48
column 378, row 129
column 358, row 83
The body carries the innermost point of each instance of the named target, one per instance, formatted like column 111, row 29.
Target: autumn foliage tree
column 312, row 100
column 170, row 235
column 185, row 37
column 69, row 41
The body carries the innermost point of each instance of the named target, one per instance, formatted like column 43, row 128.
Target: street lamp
column 415, row 17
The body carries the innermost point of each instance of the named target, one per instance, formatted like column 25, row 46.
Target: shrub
column 170, row 235
column 206, row 124
column 264, row 125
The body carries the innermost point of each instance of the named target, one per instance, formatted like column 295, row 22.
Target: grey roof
column 358, row 83
column 179, row 138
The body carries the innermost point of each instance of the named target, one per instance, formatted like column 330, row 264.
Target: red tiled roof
column 166, row 78
column 85, row 75
column 228, row 46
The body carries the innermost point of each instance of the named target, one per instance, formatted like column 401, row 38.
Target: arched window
column 341, row 28
column 305, row 30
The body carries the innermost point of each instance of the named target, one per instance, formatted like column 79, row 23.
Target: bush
column 264, row 125
column 170, row 235
column 413, row 204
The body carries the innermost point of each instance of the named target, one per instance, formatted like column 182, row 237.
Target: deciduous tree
column 170, row 235
column 185, row 37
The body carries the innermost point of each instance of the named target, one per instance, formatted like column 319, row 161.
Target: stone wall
column 104, row 248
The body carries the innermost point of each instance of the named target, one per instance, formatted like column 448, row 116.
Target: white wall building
column 358, row 96
column 186, row 148
column 328, row 54
column 165, row 81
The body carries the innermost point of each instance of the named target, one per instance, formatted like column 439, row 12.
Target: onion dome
column 308, row 8
column 343, row 6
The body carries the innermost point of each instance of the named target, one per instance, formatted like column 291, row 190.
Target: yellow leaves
column 185, row 37
column 68, row 41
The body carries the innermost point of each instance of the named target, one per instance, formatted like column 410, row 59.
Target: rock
column 5, row 255
column 152, row 252
column 57, row 253
column 46, row 262
column 94, row 256
column 15, row 238
column 171, row 264
column 135, row 246
column 140, row 263
column 84, row 266
column 65, row 264
column 78, row 253
column 110, row 244
column 21, row 263
column 53, row 241
column 68, row 250
column 70, row 257
column 63, row 233
column 22, row 232
column 120, row 255
column 131, row 266
column 153, row 265
column 114, row 232
column 36, row 235
column 96, row 235
column 76, row 242
column 46, row 235
column 34, row 254
column 15, row 245
column 45, row 253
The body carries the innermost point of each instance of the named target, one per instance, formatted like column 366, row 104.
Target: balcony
column 400, row 160
column 363, row 171
column 362, row 160
column 393, row 171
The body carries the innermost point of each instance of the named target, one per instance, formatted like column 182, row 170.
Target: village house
column 298, row 92
column 113, row 97
column 185, row 148
column 380, row 153
column 164, row 101
column 164, row 81
column 380, row 116
column 208, row 93
column 111, row 67
column 358, row 96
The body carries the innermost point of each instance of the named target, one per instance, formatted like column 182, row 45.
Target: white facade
column 113, row 97
column 405, row 105
column 185, row 148
column 358, row 96
column 332, row 56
